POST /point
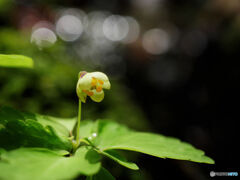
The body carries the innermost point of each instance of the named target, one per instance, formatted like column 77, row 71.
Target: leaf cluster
column 40, row 147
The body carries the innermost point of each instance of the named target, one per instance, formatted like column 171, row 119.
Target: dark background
column 190, row 91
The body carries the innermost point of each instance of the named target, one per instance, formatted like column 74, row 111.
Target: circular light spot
column 133, row 32
column 69, row 27
column 156, row 41
column 43, row 37
column 115, row 28
column 95, row 25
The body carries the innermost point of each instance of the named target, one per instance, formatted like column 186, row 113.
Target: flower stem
column 78, row 121
column 76, row 142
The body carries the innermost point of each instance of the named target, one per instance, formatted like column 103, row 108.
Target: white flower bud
column 92, row 85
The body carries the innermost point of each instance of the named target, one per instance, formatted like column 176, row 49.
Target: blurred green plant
column 15, row 61
column 49, row 88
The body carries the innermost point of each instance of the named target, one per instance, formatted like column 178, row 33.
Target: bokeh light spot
column 156, row 41
column 115, row 28
column 69, row 27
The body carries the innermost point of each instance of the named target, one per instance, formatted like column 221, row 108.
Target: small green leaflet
column 114, row 155
column 111, row 135
column 88, row 128
column 18, row 61
column 41, row 163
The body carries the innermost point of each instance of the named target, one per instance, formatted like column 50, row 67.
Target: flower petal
column 97, row 96
column 103, row 77
column 99, row 75
column 82, row 96
column 85, row 82
column 106, row 85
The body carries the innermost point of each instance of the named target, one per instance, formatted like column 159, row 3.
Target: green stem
column 78, row 122
column 77, row 138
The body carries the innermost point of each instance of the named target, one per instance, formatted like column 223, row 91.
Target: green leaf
column 40, row 163
column 103, row 174
column 88, row 128
column 69, row 123
column 59, row 128
column 15, row 61
column 19, row 129
column 111, row 135
column 114, row 155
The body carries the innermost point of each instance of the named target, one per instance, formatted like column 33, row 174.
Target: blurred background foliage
column 50, row 87
column 172, row 65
